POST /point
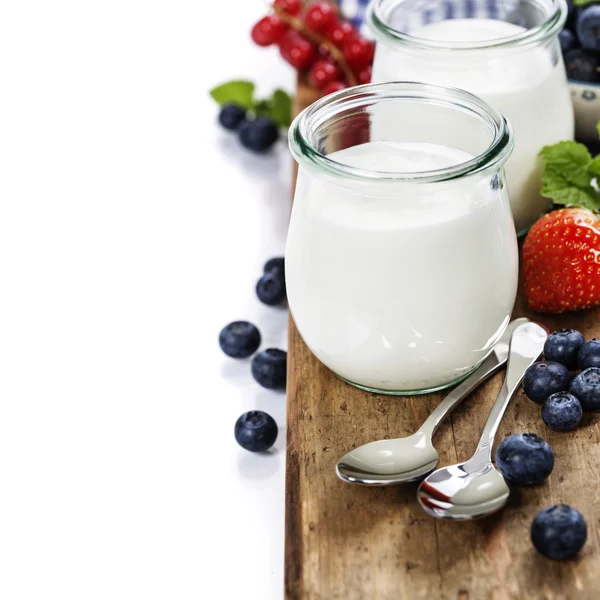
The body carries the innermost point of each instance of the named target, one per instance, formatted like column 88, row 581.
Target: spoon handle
column 526, row 345
column 493, row 363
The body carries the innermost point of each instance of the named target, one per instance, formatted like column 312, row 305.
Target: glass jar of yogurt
column 504, row 51
column 401, row 258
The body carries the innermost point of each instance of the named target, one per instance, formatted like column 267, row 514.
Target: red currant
column 334, row 86
column 364, row 76
column 323, row 72
column 268, row 30
column 296, row 50
column 359, row 53
column 291, row 7
column 340, row 33
column 319, row 16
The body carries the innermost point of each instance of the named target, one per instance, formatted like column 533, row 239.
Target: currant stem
column 337, row 55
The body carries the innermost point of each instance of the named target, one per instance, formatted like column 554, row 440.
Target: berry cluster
column 316, row 40
column 564, row 398
column 257, row 134
column 256, row 431
column 580, row 42
column 558, row 532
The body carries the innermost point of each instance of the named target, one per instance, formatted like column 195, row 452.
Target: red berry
column 323, row 72
column 268, row 30
column 334, row 86
column 291, row 7
column 560, row 268
column 319, row 16
column 359, row 53
column 296, row 50
column 340, row 33
column 364, row 76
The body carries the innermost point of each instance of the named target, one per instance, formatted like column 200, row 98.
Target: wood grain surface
column 356, row 543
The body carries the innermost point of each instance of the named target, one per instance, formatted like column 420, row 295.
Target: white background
column 132, row 228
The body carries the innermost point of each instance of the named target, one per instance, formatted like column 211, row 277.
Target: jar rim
column 308, row 121
column 386, row 33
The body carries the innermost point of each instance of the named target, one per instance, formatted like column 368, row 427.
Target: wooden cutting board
column 355, row 543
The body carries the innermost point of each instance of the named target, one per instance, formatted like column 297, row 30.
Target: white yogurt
column 527, row 85
column 401, row 286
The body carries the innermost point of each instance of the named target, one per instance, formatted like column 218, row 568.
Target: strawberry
column 561, row 261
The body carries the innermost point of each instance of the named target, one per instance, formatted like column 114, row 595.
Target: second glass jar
column 504, row 51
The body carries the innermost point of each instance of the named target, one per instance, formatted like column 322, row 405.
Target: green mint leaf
column 583, row 2
column 568, row 174
column 262, row 108
column 563, row 192
column 281, row 108
column 570, row 159
column 234, row 92
column 598, row 128
column 594, row 167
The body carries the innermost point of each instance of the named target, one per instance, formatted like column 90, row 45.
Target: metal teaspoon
column 475, row 488
column 391, row 462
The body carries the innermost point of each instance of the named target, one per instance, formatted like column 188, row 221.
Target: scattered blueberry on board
column 558, row 532
column 589, row 354
column 542, row 379
column 586, row 388
column 255, row 431
column 562, row 412
column 269, row 368
column 239, row 339
column 524, row 459
column 563, row 347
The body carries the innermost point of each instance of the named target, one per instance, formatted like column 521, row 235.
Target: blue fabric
column 355, row 11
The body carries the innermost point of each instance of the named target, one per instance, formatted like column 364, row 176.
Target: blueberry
column 255, row 431
column 270, row 289
column 581, row 65
column 258, row 135
column 589, row 354
column 543, row 379
column 276, row 264
column 269, row 368
column 239, row 339
column 588, row 27
column 567, row 40
column 562, row 412
column 563, row 346
column 524, row 459
column 558, row 532
column 231, row 116
column 586, row 388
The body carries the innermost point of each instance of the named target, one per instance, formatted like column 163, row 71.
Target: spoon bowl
column 387, row 462
column 454, row 493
